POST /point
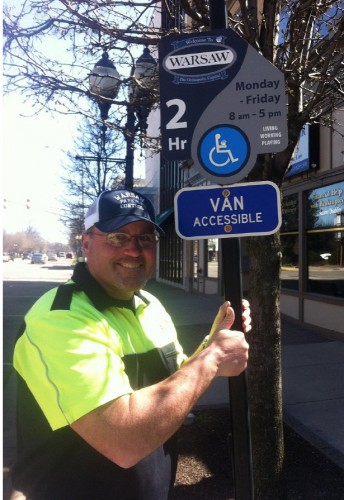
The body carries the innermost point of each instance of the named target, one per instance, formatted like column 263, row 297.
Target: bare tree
column 303, row 38
column 95, row 164
column 23, row 241
column 51, row 47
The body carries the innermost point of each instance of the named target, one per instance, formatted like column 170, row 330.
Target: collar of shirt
column 96, row 293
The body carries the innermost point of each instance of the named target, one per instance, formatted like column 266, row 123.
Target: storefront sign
column 326, row 207
column 306, row 154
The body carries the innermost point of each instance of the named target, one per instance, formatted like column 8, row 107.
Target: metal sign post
column 239, row 409
column 231, row 263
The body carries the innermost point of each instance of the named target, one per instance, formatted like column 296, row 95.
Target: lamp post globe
column 144, row 77
column 104, row 83
column 145, row 69
column 140, row 92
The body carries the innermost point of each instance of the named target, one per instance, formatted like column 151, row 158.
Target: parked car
column 62, row 254
column 27, row 255
column 39, row 258
column 5, row 257
column 69, row 255
column 52, row 256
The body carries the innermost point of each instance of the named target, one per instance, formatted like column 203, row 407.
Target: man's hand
column 223, row 311
column 229, row 347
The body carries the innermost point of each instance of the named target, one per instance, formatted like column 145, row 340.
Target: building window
column 212, row 257
column 325, row 263
column 290, row 261
column 196, row 258
column 289, row 240
column 325, row 239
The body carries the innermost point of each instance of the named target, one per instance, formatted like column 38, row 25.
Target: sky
column 32, row 164
column 33, row 155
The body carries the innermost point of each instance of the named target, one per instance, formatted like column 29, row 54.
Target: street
column 23, row 284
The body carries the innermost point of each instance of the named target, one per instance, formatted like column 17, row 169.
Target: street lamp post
column 129, row 140
column 105, row 83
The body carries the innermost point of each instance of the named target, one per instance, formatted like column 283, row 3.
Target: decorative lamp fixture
column 140, row 88
column 104, row 83
column 146, row 69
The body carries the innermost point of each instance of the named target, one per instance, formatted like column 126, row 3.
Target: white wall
column 324, row 315
column 152, row 160
column 290, row 305
column 321, row 314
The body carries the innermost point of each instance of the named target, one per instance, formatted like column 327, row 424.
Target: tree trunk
column 264, row 375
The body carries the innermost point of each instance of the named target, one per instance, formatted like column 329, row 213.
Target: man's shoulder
column 46, row 301
column 156, row 307
column 149, row 298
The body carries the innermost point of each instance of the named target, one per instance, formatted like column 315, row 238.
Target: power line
column 27, row 204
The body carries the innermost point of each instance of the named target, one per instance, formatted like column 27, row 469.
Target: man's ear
column 85, row 241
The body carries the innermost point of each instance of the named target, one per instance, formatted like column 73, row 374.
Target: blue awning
column 164, row 216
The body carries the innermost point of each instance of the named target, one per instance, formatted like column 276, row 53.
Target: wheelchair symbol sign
column 223, row 150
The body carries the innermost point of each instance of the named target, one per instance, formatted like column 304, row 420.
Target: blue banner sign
column 249, row 209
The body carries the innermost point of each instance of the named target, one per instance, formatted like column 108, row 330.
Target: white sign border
column 228, row 186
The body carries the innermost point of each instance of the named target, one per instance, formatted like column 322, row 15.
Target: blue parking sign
column 230, row 211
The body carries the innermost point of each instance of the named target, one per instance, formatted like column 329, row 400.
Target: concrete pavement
column 313, row 393
column 312, row 369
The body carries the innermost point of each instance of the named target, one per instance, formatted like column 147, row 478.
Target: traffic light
column 28, row 203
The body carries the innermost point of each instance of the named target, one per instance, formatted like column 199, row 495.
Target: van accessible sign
column 219, row 212
column 222, row 103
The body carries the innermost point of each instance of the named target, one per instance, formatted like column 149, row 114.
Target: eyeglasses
column 121, row 240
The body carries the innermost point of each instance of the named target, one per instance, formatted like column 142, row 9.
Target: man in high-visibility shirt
column 103, row 384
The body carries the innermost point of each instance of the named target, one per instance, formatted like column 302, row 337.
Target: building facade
column 312, row 232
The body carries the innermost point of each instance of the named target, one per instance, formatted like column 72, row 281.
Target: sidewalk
column 312, row 369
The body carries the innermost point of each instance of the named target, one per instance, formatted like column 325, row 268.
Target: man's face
column 120, row 271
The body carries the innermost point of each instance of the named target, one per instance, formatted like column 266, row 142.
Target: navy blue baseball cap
column 115, row 209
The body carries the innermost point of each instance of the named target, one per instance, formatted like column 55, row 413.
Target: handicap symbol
column 223, row 150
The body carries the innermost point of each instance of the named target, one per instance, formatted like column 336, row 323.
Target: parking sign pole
column 231, row 263
column 240, row 421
